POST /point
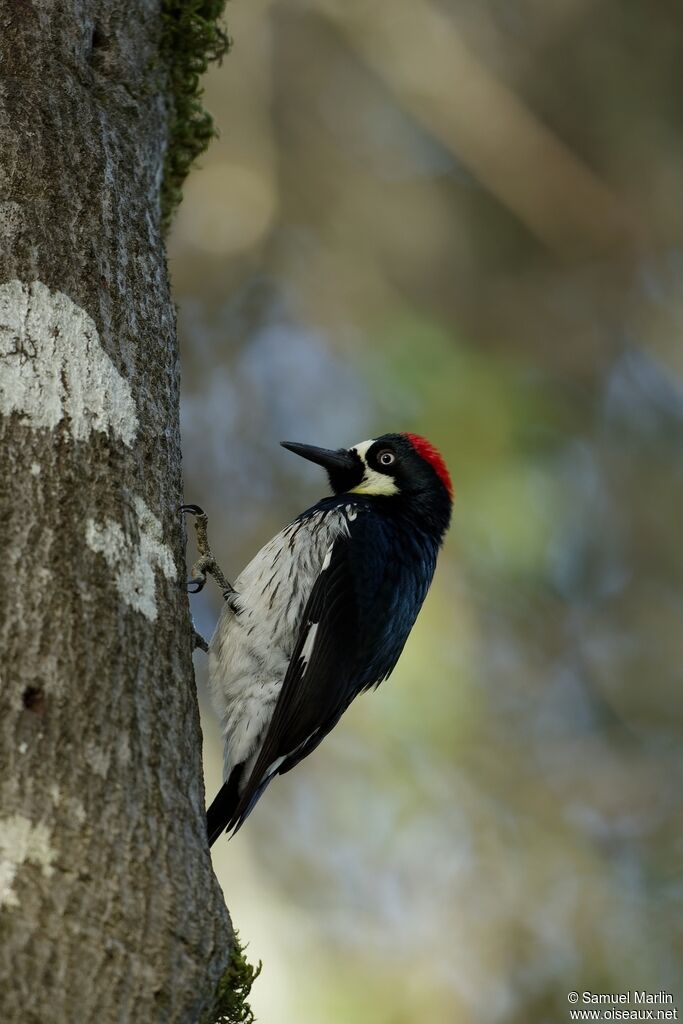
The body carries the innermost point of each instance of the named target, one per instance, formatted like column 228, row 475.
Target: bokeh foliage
column 461, row 218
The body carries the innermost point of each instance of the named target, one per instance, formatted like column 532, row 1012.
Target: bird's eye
column 386, row 458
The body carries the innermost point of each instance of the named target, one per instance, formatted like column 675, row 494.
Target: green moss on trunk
column 230, row 1004
column 192, row 38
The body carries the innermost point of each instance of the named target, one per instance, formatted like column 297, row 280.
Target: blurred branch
column 420, row 55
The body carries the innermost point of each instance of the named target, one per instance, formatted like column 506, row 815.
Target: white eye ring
column 386, row 458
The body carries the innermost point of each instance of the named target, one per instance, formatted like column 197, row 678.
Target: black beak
column 333, row 460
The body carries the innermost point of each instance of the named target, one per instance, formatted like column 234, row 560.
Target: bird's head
column 393, row 465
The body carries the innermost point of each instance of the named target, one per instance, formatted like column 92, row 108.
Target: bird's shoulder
column 359, row 518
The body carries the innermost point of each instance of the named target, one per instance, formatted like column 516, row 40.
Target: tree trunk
column 109, row 909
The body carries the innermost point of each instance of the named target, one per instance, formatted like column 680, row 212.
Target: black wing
column 356, row 621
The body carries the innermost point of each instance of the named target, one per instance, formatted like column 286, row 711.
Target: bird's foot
column 198, row 641
column 206, row 564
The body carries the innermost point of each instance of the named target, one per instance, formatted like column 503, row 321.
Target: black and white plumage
column 323, row 611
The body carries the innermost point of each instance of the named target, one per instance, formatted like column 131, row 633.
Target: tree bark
column 109, row 908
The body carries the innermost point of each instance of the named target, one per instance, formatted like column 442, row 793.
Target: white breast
column 250, row 651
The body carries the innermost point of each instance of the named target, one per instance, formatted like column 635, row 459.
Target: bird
column 322, row 612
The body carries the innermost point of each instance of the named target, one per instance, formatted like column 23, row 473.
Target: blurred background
column 461, row 218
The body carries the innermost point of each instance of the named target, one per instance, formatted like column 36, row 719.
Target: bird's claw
column 194, row 510
column 206, row 563
column 199, row 643
column 196, row 584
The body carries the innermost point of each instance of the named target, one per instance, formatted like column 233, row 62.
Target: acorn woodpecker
column 323, row 611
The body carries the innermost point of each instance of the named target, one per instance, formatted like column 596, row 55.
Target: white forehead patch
column 362, row 448
column 372, row 482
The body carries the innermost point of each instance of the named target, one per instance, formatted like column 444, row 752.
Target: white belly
column 249, row 652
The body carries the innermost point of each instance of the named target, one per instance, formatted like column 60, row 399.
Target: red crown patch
column 426, row 450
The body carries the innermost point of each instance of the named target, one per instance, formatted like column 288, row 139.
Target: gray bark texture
column 109, row 908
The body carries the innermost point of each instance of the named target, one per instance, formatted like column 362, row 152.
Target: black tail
column 223, row 806
column 230, row 808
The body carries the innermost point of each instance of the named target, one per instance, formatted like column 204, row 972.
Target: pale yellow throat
column 375, row 483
